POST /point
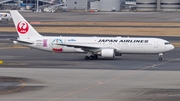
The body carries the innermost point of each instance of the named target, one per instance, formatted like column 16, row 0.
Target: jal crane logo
column 22, row 27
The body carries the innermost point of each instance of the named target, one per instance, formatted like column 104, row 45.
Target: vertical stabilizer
column 23, row 28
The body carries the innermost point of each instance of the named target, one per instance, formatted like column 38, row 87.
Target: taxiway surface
column 68, row 77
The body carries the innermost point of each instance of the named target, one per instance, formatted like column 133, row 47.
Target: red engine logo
column 22, row 27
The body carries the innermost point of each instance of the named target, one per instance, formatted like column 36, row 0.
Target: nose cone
column 171, row 47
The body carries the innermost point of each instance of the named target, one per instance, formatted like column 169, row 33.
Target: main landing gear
column 160, row 56
column 92, row 57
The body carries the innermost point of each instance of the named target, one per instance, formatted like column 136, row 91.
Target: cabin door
column 156, row 44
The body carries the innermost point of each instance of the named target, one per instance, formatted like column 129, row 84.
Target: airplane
column 106, row 47
column 5, row 16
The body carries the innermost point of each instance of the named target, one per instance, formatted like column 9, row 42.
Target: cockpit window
column 166, row 43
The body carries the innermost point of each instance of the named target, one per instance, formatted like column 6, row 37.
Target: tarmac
column 33, row 75
column 43, row 76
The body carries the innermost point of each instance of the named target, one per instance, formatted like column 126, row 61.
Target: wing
column 83, row 47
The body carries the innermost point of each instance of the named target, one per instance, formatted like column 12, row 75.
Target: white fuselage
column 123, row 45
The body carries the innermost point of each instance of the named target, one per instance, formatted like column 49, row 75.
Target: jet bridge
column 47, row 1
column 53, row 8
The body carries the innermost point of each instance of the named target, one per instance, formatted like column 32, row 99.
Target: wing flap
column 83, row 47
column 78, row 46
column 86, row 48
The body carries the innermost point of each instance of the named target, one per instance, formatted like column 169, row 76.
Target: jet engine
column 107, row 53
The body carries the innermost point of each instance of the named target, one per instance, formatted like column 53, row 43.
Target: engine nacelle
column 107, row 53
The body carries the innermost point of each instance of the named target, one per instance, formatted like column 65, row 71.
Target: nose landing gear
column 160, row 56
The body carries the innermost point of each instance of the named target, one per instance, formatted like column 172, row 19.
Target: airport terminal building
column 158, row 5
column 99, row 5
column 117, row 5
column 107, row 5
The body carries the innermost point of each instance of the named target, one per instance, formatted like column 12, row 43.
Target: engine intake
column 107, row 53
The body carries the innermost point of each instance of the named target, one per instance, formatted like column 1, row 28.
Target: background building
column 77, row 4
column 158, row 5
column 146, row 5
column 99, row 5
column 107, row 5
column 169, row 5
column 42, row 5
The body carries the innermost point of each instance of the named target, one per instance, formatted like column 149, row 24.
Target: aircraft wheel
column 86, row 58
column 95, row 57
column 160, row 58
column 91, row 57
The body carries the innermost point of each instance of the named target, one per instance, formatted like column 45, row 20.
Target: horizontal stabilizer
column 21, row 41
